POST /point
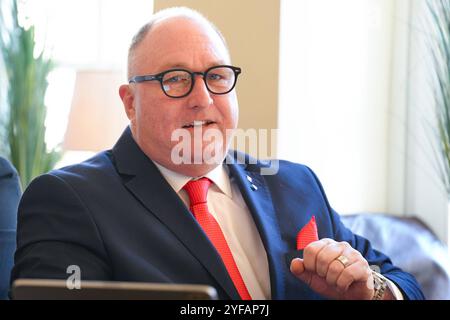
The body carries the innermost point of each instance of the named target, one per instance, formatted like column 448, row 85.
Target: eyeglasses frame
column 159, row 77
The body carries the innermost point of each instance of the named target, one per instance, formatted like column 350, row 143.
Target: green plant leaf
column 26, row 110
column 439, row 48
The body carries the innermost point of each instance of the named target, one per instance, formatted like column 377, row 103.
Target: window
column 81, row 34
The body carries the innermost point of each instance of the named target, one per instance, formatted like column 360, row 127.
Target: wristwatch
column 379, row 285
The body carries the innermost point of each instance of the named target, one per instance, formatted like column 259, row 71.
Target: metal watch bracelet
column 380, row 285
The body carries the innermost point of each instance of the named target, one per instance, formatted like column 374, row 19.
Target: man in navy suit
column 123, row 214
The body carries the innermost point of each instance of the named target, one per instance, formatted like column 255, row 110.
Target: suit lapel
column 257, row 196
column 146, row 183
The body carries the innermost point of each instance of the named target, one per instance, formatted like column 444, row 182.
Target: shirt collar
column 219, row 175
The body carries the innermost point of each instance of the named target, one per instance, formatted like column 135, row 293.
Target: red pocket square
column 308, row 234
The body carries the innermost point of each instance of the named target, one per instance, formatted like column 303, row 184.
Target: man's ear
column 126, row 93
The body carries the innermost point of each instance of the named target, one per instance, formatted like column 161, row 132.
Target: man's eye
column 214, row 76
column 174, row 79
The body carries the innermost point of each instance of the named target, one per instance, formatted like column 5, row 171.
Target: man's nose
column 200, row 96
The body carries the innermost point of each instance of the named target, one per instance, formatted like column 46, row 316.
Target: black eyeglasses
column 178, row 83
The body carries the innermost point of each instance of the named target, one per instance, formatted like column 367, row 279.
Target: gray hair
column 165, row 14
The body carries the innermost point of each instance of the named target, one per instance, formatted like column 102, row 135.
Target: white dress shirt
column 226, row 204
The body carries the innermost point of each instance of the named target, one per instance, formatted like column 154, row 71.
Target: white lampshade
column 97, row 116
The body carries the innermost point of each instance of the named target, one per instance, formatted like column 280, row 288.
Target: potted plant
column 23, row 118
column 439, row 49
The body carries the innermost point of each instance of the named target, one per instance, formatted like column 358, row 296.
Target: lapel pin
column 249, row 179
column 253, row 187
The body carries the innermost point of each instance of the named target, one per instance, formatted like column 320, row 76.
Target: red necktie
column 197, row 191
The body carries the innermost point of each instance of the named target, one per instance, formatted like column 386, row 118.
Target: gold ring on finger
column 344, row 260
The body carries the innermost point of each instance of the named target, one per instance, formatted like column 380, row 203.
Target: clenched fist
column 335, row 270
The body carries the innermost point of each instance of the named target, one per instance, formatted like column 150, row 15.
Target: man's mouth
column 198, row 123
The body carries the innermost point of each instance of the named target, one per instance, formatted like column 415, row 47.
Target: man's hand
column 326, row 275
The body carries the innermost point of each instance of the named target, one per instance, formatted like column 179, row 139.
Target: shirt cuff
column 395, row 291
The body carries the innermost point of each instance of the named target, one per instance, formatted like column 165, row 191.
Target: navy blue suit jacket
column 117, row 218
column 9, row 200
